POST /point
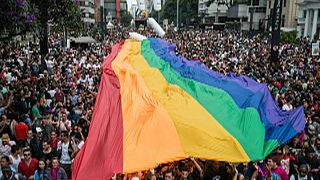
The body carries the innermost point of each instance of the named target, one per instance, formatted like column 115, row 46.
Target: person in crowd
column 274, row 168
column 5, row 162
column 302, row 174
column 8, row 174
column 57, row 172
column 169, row 175
column 41, row 171
column 21, row 131
column 66, row 152
column 28, row 165
column 48, row 153
column 15, row 158
column 5, row 145
column 27, row 141
column 54, row 140
column 36, row 143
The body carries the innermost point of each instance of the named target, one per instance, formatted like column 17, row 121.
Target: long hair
column 39, row 169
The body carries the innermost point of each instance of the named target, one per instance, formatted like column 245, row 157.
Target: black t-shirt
column 211, row 174
column 50, row 155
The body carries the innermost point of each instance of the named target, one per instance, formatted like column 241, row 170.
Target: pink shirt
column 279, row 171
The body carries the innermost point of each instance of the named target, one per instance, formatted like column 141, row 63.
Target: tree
column 16, row 18
column 289, row 37
column 169, row 11
column 125, row 18
column 188, row 10
column 65, row 15
column 20, row 16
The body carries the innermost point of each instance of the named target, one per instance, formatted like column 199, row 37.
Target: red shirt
column 21, row 131
column 26, row 170
column 53, row 144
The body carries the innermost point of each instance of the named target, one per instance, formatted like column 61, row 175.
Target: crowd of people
column 46, row 109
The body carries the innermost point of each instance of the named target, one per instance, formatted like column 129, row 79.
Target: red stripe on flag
column 102, row 154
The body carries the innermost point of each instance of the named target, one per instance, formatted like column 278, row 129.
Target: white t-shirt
column 65, row 158
column 15, row 162
column 63, row 125
column 80, row 144
column 49, row 63
column 52, row 93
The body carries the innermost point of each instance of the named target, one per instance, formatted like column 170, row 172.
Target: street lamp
column 177, row 15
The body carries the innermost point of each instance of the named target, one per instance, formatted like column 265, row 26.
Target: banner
column 276, row 25
column 141, row 4
column 157, row 5
column 315, row 49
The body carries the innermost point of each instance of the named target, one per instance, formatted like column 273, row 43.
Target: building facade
column 88, row 10
column 309, row 18
column 289, row 13
column 97, row 8
column 114, row 7
column 215, row 13
column 247, row 12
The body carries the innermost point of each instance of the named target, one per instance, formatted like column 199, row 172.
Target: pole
column 177, row 15
column 102, row 22
column 251, row 21
column 276, row 25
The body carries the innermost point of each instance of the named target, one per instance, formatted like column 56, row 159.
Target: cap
column 5, row 137
column 38, row 129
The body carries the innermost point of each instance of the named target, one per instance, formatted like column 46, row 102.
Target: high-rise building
column 214, row 13
column 87, row 9
column 97, row 8
column 308, row 18
column 289, row 13
column 250, row 13
column 114, row 7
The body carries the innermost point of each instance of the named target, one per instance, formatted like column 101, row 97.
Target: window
column 304, row 14
column 110, row 7
column 269, row 4
column 283, row 20
column 123, row 6
column 284, row 3
column 261, row 10
column 255, row 3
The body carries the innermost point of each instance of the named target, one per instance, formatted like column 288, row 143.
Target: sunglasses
column 28, row 154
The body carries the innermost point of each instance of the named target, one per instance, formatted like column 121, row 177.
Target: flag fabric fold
column 155, row 107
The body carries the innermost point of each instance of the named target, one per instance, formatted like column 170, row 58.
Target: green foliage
column 289, row 37
column 20, row 16
column 67, row 14
column 94, row 31
column 16, row 17
column 169, row 11
column 188, row 10
column 125, row 18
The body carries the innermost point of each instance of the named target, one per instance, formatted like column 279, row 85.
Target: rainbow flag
column 155, row 107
